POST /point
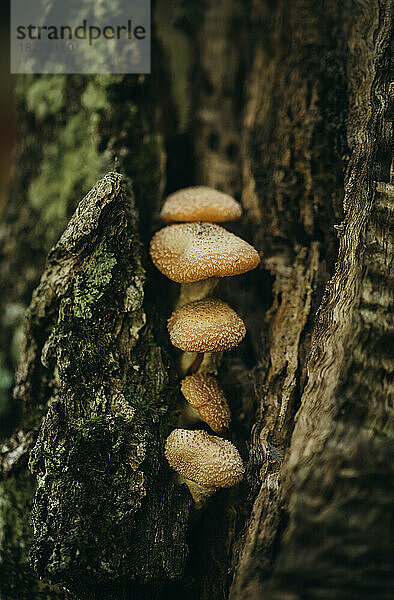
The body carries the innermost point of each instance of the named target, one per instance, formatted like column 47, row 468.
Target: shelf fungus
column 208, row 325
column 200, row 203
column 204, row 462
column 206, row 401
column 191, row 252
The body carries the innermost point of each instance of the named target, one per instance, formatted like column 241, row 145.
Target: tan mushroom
column 206, row 401
column 200, row 203
column 196, row 254
column 195, row 251
column 208, row 325
column 206, row 462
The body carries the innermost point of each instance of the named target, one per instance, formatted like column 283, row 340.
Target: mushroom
column 206, row 401
column 196, row 253
column 200, row 203
column 204, row 462
column 208, row 325
column 192, row 252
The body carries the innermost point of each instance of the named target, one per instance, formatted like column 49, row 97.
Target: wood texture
column 288, row 107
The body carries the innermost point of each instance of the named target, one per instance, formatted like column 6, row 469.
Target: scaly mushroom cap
column 195, row 251
column 204, row 394
column 200, row 203
column 208, row 325
column 206, row 459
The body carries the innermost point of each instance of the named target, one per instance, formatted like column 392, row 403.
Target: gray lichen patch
column 134, row 295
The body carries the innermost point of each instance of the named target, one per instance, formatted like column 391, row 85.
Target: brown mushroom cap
column 206, row 459
column 200, row 203
column 194, row 251
column 208, row 325
column 204, row 394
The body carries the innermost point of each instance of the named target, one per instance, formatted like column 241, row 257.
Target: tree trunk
column 287, row 107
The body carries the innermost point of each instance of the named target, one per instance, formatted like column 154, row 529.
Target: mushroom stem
column 197, row 290
column 210, row 363
column 200, row 493
column 189, row 363
column 196, row 364
column 185, row 362
column 188, row 416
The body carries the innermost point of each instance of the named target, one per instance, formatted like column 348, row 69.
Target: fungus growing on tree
column 191, row 252
column 206, row 460
column 196, row 253
column 206, row 401
column 200, row 203
column 208, row 325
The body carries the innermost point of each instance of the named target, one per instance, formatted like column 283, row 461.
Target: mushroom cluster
column 193, row 251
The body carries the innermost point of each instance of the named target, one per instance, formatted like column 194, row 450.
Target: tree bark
column 287, row 107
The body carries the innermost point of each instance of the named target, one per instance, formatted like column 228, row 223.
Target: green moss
column 74, row 170
column 95, row 96
column 46, row 96
column 74, row 161
column 98, row 453
column 90, row 286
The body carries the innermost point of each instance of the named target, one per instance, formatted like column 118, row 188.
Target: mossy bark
column 286, row 106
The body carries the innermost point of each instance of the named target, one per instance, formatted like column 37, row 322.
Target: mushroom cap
column 204, row 394
column 206, row 459
column 190, row 252
column 208, row 325
column 200, row 203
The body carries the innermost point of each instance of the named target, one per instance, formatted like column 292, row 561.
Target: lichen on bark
column 71, row 129
column 98, row 457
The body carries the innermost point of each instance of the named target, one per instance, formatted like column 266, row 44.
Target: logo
column 53, row 36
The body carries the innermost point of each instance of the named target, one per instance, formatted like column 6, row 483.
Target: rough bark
column 71, row 130
column 87, row 124
column 288, row 108
column 319, row 524
column 106, row 405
